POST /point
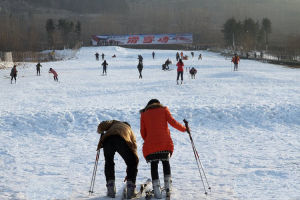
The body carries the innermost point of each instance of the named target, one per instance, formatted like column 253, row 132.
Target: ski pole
column 198, row 161
column 91, row 190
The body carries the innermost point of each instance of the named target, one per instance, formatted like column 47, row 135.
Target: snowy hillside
column 245, row 125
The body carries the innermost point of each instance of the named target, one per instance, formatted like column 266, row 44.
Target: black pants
column 140, row 71
column 154, row 159
column 104, row 70
column 154, row 169
column 180, row 74
column 13, row 77
column 115, row 144
column 38, row 72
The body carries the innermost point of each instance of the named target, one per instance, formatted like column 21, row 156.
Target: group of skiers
column 117, row 136
column 97, row 56
column 14, row 72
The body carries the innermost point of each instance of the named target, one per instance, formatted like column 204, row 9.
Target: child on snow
column 118, row 137
column 158, row 144
column 54, row 74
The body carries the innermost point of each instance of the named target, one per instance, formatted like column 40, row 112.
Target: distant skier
column 180, row 65
column 114, row 56
column 235, row 60
column 102, row 55
column 55, row 75
column 200, row 57
column 13, row 74
column 119, row 137
column 167, row 63
column 104, row 64
column 140, row 68
column 177, row 57
column 158, row 144
column 153, row 54
column 97, row 55
column 192, row 53
column 193, row 72
column 181, row 55
column 38, row 69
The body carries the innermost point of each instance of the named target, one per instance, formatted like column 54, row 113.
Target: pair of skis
column 150, row 194
column 144, row 188
column 146, row 192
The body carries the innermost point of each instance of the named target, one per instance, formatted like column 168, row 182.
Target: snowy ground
column 245, row 125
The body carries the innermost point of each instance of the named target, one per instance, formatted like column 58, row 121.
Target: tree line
column 62, row 33
column 247, row 34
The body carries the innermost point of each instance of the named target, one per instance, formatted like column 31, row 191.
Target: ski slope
column 245, row 125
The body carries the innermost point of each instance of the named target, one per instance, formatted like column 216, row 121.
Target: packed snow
column 245, row 125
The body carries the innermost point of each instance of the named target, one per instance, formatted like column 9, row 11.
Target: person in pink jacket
column 180, row 70
column 54, row 74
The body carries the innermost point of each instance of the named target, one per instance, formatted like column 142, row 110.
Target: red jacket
column 154, row 129
column 53, row 72
column 179, row 67
column 235, row 59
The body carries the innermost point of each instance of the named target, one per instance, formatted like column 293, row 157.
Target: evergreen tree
column 267, row 27
column 50, row 28
column 229, row 31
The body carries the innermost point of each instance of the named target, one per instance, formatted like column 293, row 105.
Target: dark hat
column 152, row 101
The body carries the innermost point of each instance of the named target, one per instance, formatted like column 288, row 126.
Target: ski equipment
column 199, row 164
column 91, row 191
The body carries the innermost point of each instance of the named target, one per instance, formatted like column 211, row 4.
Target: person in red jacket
column 235, row 60
column 54, row 74
column 180, row 70
column 158, row 144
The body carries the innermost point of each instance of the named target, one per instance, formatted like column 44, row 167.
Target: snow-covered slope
column 245, row 125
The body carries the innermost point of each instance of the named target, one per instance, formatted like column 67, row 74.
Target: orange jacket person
column 158, row 144
column 235, row 60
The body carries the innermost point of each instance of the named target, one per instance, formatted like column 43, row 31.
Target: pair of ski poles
column 198, row 161
column 91, row 190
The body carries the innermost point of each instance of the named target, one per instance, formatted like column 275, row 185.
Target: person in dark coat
column 117, row 136
column 38, row 69
column 140, row 68
column 153, row 54
column 193, row 72
column 104, row 64
column 177, row 56
column 13, row 74
column 140, row 57
column 200, row 57
column 97, row 55
column 192, row 53
column 102, row 55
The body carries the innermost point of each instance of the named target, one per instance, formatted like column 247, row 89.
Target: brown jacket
column 114, row 127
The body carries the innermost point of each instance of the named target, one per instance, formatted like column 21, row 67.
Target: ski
column 150, row 194
column 142, row 192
